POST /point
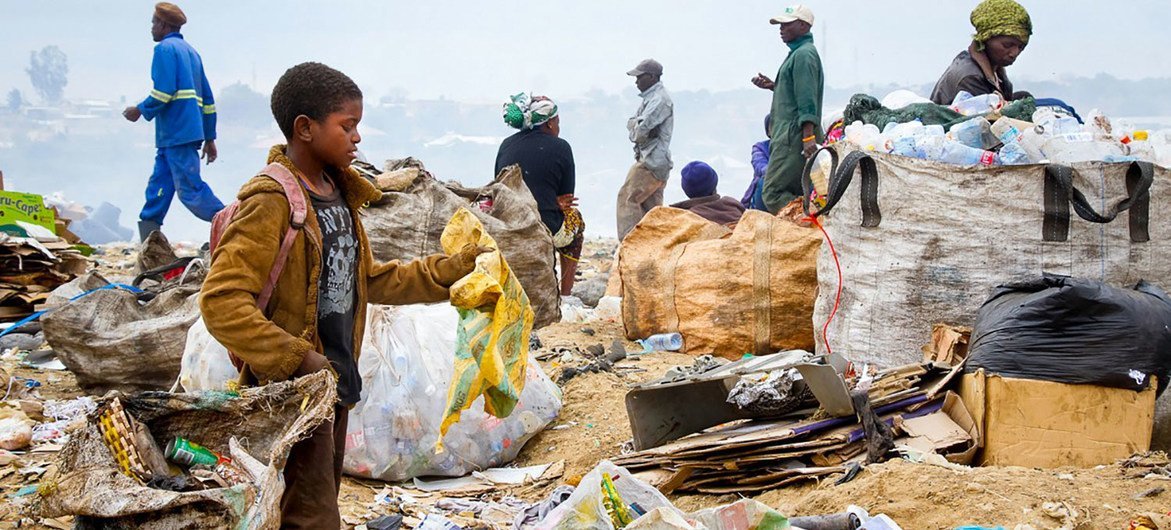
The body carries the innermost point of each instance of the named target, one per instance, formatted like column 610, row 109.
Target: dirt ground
column 593, row 426
column 918, row 496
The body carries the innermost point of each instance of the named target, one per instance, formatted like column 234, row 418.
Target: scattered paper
column 490, row 478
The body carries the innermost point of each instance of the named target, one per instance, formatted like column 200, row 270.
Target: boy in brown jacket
column 317, row 312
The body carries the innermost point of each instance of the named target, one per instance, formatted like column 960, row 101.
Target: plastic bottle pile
column 1052, row 137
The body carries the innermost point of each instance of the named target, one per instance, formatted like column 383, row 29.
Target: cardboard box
column 1045, row 424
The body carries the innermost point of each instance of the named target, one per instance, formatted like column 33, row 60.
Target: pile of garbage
column 985, row 136
column 30, row 268
column 799, row 424
column 37, row 254
column 610, row 497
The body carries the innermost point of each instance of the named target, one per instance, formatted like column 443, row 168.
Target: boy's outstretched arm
column 422, row 280
column 242, row 261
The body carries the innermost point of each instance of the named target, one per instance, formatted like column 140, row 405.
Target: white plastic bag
column 406, row 366
column 586, row 509
column 574, row 311
column 205, row 364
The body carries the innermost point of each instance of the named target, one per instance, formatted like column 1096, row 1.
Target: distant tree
column 239, row 104
column 15, row 100
column 48, row 70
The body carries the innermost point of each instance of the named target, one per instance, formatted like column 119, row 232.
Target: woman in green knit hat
column 1003, row 28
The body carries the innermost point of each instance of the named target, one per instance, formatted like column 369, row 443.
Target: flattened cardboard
column 935, row 431
column 1045, row 424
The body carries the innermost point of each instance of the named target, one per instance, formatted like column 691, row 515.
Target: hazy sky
column 485, row 49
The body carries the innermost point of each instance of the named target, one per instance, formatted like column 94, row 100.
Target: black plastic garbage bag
column 1073, row 330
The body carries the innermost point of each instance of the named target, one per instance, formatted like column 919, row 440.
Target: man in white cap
column 650, row 130
column 796, row 110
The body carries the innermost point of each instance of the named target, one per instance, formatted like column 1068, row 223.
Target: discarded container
column 1028, row 135
column 968, row 105
column 1012, row 154
column 976, row 133
column 188, row 453
column 662, row 342
column 865, row 136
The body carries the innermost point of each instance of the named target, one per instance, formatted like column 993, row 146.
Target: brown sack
column 727, row 292
column 407, row 222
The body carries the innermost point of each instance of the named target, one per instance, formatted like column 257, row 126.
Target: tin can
column 188, row 453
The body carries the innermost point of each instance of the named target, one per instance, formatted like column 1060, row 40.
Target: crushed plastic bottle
column 1053, row 123
column 976, row 132
column 1012, row 154
column 968, row 105
column 662, row 342
column 962, row 155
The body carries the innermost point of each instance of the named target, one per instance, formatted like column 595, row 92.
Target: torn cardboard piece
column 949, row 344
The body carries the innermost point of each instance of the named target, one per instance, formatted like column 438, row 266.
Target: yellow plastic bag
column 495, row 320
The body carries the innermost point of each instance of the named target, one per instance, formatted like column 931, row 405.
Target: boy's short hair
column 312, row 89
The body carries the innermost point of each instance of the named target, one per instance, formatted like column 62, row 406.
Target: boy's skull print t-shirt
column 336, row 292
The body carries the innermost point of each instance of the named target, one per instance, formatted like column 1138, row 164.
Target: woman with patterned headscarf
column 546, row 161
column 1003, row 28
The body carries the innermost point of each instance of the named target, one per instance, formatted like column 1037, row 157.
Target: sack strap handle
column 1060, row 193
column 297, row 212
column 839, row 181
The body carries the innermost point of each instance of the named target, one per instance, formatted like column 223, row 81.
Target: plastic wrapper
column 205, row 364
column 495, row 322
column 605, row 495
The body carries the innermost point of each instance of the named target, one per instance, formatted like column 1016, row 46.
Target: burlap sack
column 255, row 428
column 111, row 341
column 727, row 292
column 408, row 221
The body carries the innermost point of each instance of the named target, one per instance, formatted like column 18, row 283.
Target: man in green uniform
column 796, row 111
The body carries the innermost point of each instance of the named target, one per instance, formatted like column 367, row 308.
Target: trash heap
column 37, row 254
column 983, row 130
column 197, row 460
column 836, row 424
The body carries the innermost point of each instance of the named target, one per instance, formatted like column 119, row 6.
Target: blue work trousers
column 177, row 171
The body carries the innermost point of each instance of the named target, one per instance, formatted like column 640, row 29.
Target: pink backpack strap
column 219, row 223
column 297, row 213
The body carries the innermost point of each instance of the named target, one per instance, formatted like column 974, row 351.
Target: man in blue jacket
column 181, row 99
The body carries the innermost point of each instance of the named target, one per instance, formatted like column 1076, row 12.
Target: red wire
column 838, row 297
